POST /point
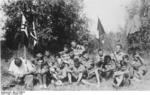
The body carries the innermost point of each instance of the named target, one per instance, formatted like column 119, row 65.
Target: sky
column 2, row 20
column 112, row 14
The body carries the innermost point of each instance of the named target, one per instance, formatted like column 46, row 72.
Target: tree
column 57, row 22
column 140, row 39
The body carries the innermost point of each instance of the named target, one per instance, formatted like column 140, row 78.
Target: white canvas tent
column 134, row 24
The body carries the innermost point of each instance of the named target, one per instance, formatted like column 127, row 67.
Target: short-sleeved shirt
column 100, row 60
column 79, row 49
column 26, row 67
column 83, row 60
column 66, row 59
column 136, row 64
column 109, row 66
column 79, row 70
column 119, row 56
column 39, row 66
column 30, row 66
column 46, row 59
column 63, row 72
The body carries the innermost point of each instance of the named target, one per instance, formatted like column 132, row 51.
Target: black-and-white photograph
column 75, row 45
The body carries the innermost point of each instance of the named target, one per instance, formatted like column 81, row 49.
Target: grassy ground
column 144, row 84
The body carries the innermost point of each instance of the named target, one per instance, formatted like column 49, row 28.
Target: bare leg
column 97, row 76
column 40, row 79
column 79, row 77
column 87, row 83
column 29, row 81
column 136, row 76
column 69, row 78
column 44, row 81
column 119, row 80
column 55, row 77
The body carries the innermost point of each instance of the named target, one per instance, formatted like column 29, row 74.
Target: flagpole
column 24, row 28
column 25, row 52
column 99, row 38
column 100, row 42
column 113, row 53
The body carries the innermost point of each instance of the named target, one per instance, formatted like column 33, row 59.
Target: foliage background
column 140, row 40
column 57, row 22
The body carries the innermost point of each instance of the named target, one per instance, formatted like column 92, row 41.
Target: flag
column 100, row 28
column 34, row 35
column 24, row 24
column 101, row 31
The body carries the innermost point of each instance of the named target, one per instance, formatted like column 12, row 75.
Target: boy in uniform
column 98, row 64
column 107, row 68
column 53, row 68
column 78, row 71
column 117, row 56
column 42, row 70
column 63, row 73
column 46, row 57
column 77, row 49
column 123, row 75
column 139, row 67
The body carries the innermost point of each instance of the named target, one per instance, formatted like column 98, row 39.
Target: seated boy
column 80, row 73
column 42, row 70
column 104, row 68
column 122, row 76
column 107, row 69
column 22, row 70
column 139, row 67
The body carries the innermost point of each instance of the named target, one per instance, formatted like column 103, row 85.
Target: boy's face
column 108, row 60
column 126, row 60
column 59, row 61
column 62, row 66
column 73, row 44
column 65, row 49
column 18, row 62
column 47, row 53
column 40, row 62
column 118, row 48
column 76, row 63
column 39, row 56
column 135, row 58
column 100, row 53
column 85, row 56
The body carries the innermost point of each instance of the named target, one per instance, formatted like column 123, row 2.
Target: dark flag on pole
column 100, row 28
column 31, row 35
column 101, row 32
